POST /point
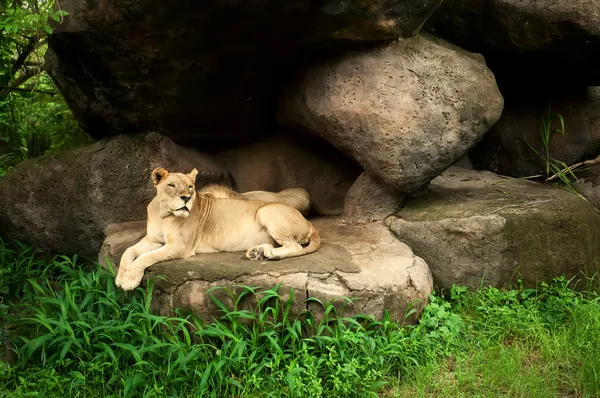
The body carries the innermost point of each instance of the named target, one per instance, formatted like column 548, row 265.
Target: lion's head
column 176, row 191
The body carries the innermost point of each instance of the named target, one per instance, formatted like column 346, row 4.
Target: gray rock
column 405, row 111
column 364, row 262
column 368, row 201
column 507, row 148
column 545, row 40
column 203, row 71
column 61, row 203
column 476, row 228
column 588, row 183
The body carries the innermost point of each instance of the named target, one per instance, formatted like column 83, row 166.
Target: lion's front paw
column 129, row 280
column 119, row 277
column 259, row 253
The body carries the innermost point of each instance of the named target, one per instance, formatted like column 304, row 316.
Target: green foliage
column 519, row 342
column 33, row 124
column 78, row 334
column 24, row 27
column 75, row 334
column 34, row 118
column 441, row 325
column 29, row 18
column 547, row 132
column 559, row 169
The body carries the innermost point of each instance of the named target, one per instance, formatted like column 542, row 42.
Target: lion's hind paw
column 258, row 253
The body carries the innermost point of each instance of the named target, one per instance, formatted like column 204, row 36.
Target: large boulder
column 373, row 268
column 405, row 110
column 61, row 203
column 475, row 228
column 288, row 161
column 514, row 146
column 549, row 41
column 202, row 70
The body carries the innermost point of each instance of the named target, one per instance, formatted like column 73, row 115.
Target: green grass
column 519, row 343
column 76, row 335
column 546, row 133
column 555, row 169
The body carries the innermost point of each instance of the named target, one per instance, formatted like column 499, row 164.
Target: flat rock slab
column 363, row 262
column 475, row 227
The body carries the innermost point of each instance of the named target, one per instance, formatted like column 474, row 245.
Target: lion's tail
column 313, row 245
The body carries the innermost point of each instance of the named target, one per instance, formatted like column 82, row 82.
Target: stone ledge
column 364, row 262
column 475, row 227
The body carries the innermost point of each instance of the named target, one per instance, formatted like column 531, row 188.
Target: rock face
column 477, row 228
column 405, row 110
column 61, row 203
column 368, row 201
column 372, row 267
column 507, row 148
column 543, row 40
column 287, row 161
column 589, row 184
column 204, row 70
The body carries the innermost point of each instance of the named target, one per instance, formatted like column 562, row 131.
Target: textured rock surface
column 368, row 200
column 364, row 262
column 202, row 70
column 475, row 227
column 286, row 161
column 62, row 202
column 589, row 184
column 405, row 111
column 507, row 148
column 556, row 39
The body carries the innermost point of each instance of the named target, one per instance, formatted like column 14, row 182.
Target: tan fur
column 183, row 222
column 297, row 198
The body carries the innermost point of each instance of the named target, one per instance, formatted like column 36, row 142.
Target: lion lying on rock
column 183, row 222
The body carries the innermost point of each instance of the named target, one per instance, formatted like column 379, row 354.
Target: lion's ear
column 158, row 174
column 193, row 174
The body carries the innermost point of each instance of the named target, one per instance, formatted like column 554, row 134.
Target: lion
column 297, row 198
column 182, row 222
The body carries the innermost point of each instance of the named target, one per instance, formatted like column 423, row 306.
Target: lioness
column 298, row 198
column 182, row 222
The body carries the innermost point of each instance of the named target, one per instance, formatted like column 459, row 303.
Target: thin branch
column 573, row 167
column 29, row 90
column 23, row 77
column 34, row 63
column 29, row 47
column 33, row 44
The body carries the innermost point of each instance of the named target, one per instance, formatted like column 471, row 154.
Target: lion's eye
column 172, row 185
column 191, row 186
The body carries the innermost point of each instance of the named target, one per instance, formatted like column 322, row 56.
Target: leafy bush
column 34, row 118
column 33, row 124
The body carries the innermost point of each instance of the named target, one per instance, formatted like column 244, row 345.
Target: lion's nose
column 185, row 198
